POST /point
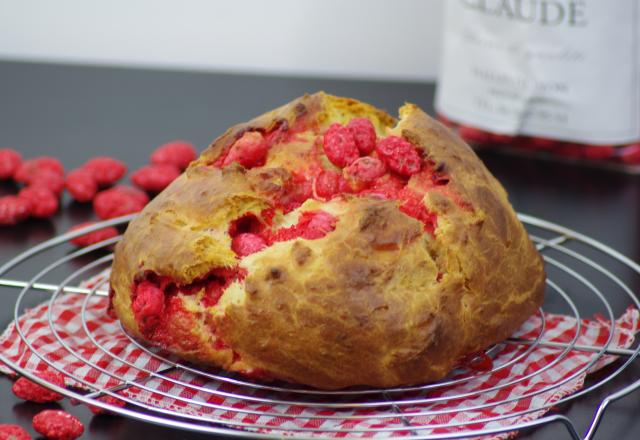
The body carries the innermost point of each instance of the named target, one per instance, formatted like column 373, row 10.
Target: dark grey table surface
column 75, row 113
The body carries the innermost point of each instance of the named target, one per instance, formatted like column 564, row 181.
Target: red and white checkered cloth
column 486, row 393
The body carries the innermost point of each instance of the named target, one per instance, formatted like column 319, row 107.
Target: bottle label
column 561, row 69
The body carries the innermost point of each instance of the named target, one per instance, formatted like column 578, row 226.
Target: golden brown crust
column 375, row 302
column 499, row 267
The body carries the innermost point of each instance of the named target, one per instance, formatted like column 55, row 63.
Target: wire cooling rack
column 593, row 271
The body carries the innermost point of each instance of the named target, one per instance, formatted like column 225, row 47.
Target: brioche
column 328, row 244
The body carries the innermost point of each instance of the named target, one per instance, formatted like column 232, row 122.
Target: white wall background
column 398, row 39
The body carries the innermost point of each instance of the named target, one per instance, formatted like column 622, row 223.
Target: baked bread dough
column 283, row 253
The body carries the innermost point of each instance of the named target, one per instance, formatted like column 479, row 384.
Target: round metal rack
column 583, row 278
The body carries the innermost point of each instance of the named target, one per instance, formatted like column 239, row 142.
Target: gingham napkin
column 486, row 393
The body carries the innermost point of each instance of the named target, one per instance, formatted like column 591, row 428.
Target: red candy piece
column 118, row 201
column 569, row 149
column 93, row 237
column 328, row 184
column 630, row 154
column 477, row 362
column 387, row 187
column 539, row 143
column 49, row 179
column 105, row 170
column 10, row 161
column 364, row 134
column 599, row 152
column 13, row 210
column 155, row 178
column 57, row 425
column 106, row 399
column 134, row 193
column 364, row 171
column 340, row 146
column 31, row 391
column 29, row 168
column 247, row 244
column 176, row 153
column 320, row 223
column 413, row 206
column 297, row 190
column 13, row 432
column 148, row 304
column 311, row 225
column 414, row 209
column 399, row 155
column 249, row 151
column 44, row 203
column 81, row 185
